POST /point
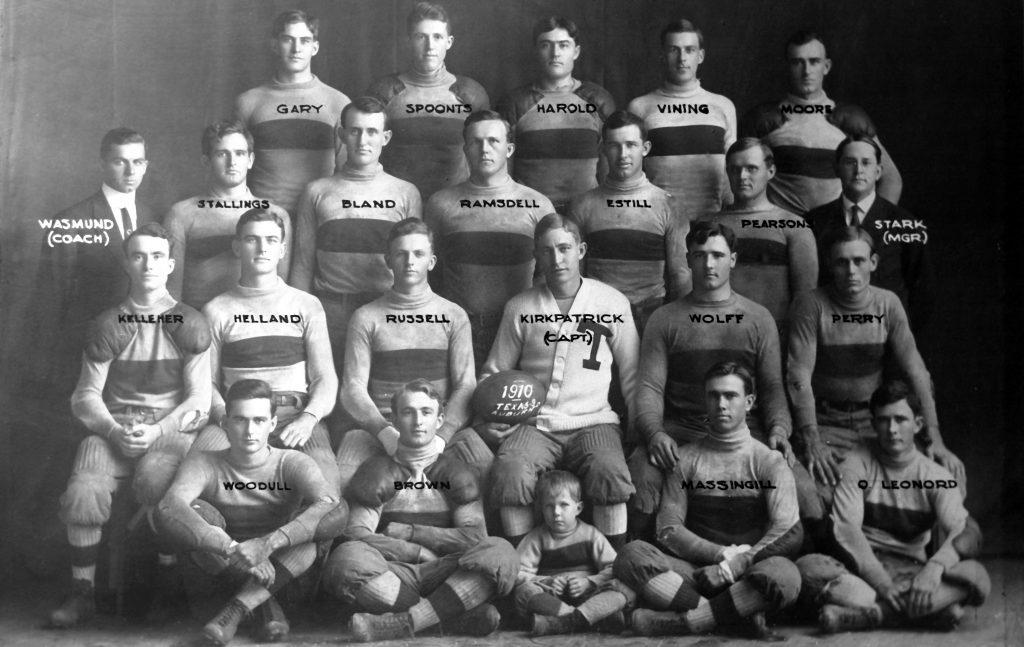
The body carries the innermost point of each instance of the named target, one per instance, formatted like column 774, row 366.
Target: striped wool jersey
column 558, row 135
column 294, row 128
column 342, row 229
column 582, row 551
column 689, row 132
column 425, row 115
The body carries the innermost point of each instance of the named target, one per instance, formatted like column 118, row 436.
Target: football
column 509, row 397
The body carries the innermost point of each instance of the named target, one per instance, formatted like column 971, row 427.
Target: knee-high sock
column 85, row 546
column 462, row 591
column 601, row 606
column 727, row 608
column 288, row 564
column 612, row 520
column 669, row 590
column 384, row 593
column 545, row 604
column 517, row 520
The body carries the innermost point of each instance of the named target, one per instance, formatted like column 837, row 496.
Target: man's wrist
column 315, row 417
column 779, row 432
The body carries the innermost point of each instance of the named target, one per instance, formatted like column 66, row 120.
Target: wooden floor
column 999, row 622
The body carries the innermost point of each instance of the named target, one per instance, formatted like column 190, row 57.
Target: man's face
column 229, row 161
column 364, row 137
column 852, row 264
column 558, row 255
column 418, row 418
column 727, row 403
column 625, row 149
column 259, row 246
column 808, row 67
column 682, row 55
column 295, row 47
column 748, row 173
column 556, row 52
column 711, row 262
column 430, row 44
column 896, row 425
column 149, row 262
column 124, row 166
column 858, row 169
column 248, row 424
column 487, row 148
column 410, row 259
column 560, row 510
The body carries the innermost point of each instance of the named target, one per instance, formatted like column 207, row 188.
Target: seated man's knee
column 513, row 479
column 211, row 438
column 648, row 481
column 637, row 563
column 778, row 580
column 349, row 567
column 333, row 523
column 968, row 543
column 355, row 447
column 496, row 560
column 971, row 575
column 154, row 475
column 605, row 478
column 87, row 499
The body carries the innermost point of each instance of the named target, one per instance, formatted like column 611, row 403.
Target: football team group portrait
column 586, row 345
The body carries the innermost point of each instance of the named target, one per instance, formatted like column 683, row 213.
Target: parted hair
column 701, row 230
column 550, row 23
column 406, row 227
column 427, row 11
column 286, row 18
column 858, row 138
column 746, row 143
column 419, row 385
column 721, row 369
column 621, row 119
column 556, row 221
column 681, row 26
column 154, row 229
column 249, row 390
column 803, row 37
column 119, row 137
column 365, row 105
column 488, row 115
column 258, row 214
column 218, row 131
column 849, row 234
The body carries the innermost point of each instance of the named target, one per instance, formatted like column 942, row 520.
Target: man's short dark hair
column 723, row 369
column 551, row 23
column 419, row 385
column 427, row 11
column 218, row 131
column 891, row 392
column 249, row 390
column 746, row 143
column 621, row 119
column 803, row 37
column 408, row 227
column 258, row 214
column 849, row 234
column 556, row 221
column 119, row 137
column 701, row 230
column 286, row 18
column 365, row 105
column 153, row 229
column 488, row 115
column 681, row 26
column 858, row 138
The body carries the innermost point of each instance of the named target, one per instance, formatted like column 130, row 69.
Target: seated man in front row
column 729, row 517
column 568, row 333
column 418, row 554
column 252, row 512
column 885, row 507
column 409, row 332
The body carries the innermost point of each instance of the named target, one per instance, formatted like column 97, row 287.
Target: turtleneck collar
column 670, row 91
column 165, row 302
column 625, row 186
column 251, row 293
column 303, row 85
column 433, row 79
column 823, row 99
column 417, row 458
column 730, row 441
column 890, row 461
column 401, row 301
column 691, row 298
column 361, row 175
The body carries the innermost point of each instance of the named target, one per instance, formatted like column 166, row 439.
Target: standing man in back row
column 426, row 106
column 292, row 117
column 557, row 118
column 690, row 128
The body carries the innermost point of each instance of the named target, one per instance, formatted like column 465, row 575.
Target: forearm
column 87, row 403
column 686, row 545
column 445, row 541
column 391, row 549
column 300, row 529
column 188, row 530
column 198, row 396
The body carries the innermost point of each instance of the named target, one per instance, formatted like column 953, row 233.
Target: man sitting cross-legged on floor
column 886, row 505
column 729, row 517
column 418, row 554
column 251, row 512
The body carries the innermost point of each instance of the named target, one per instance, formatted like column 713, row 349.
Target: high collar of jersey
column 400, row 301
column 669, row 91
column 890, row 461
column 822, row 100
column 163, row 304
column 440, row 78
column 730, row 441
column 625, row 186
column 361, row 175
column 302, row 85
column 711, row 304
column 417, row 458
column 252, row 293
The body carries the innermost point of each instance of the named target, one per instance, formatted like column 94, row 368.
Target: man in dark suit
column 903, row 265
column 80, row 268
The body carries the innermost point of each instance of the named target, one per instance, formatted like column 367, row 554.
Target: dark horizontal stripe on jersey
column 295, row 134
column 759, row 251
column 154, row 376
column 487, row 248
column 353, row 235
column 208, row 247
column 809, row 162
column 263, row 352
column 687, row 140
column 436, row 518
column 849, row 360
column 409, row 363
column 685, row 365
column 575, row 556
column 557, row 144
column 625, row 245
column 718, row 518
column 903, row 524
column 426, row 131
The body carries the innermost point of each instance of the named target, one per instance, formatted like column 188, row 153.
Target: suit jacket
column 902, row 267
column 75, row 282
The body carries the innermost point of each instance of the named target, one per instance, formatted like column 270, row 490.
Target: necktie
column 855, row 216
column 126, row 222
